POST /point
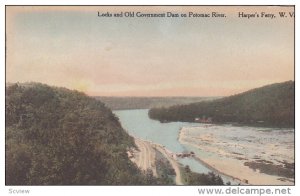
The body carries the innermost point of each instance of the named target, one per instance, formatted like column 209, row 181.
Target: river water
column 253, row 142
column 138, row 124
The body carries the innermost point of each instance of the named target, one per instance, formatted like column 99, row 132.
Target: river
column 138, row 124
column 225, row 143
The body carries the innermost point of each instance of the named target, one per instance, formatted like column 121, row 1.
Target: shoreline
column 221, row 166
column 175, row 164
column 172, row 161
column 218, row 172
column 209, row 166
column 145, row 157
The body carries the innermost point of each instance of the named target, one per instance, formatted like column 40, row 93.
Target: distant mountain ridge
column 272, row 105
column 128, row 103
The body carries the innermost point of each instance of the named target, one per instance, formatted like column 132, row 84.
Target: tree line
column 271, row 105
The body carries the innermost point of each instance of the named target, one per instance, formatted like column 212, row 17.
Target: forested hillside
column 55, row 136
column 271, row 105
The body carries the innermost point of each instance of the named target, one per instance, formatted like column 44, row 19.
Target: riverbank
column 173, row 162
column 219, row 155
column 144, row 157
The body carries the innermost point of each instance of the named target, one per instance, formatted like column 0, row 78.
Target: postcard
column 150, row 95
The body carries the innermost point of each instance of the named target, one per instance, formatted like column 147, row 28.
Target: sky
column 183, row 56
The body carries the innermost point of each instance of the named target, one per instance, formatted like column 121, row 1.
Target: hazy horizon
column 148, row 57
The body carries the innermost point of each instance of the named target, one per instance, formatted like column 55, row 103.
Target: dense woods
column 55, row 136
column 271, row 105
